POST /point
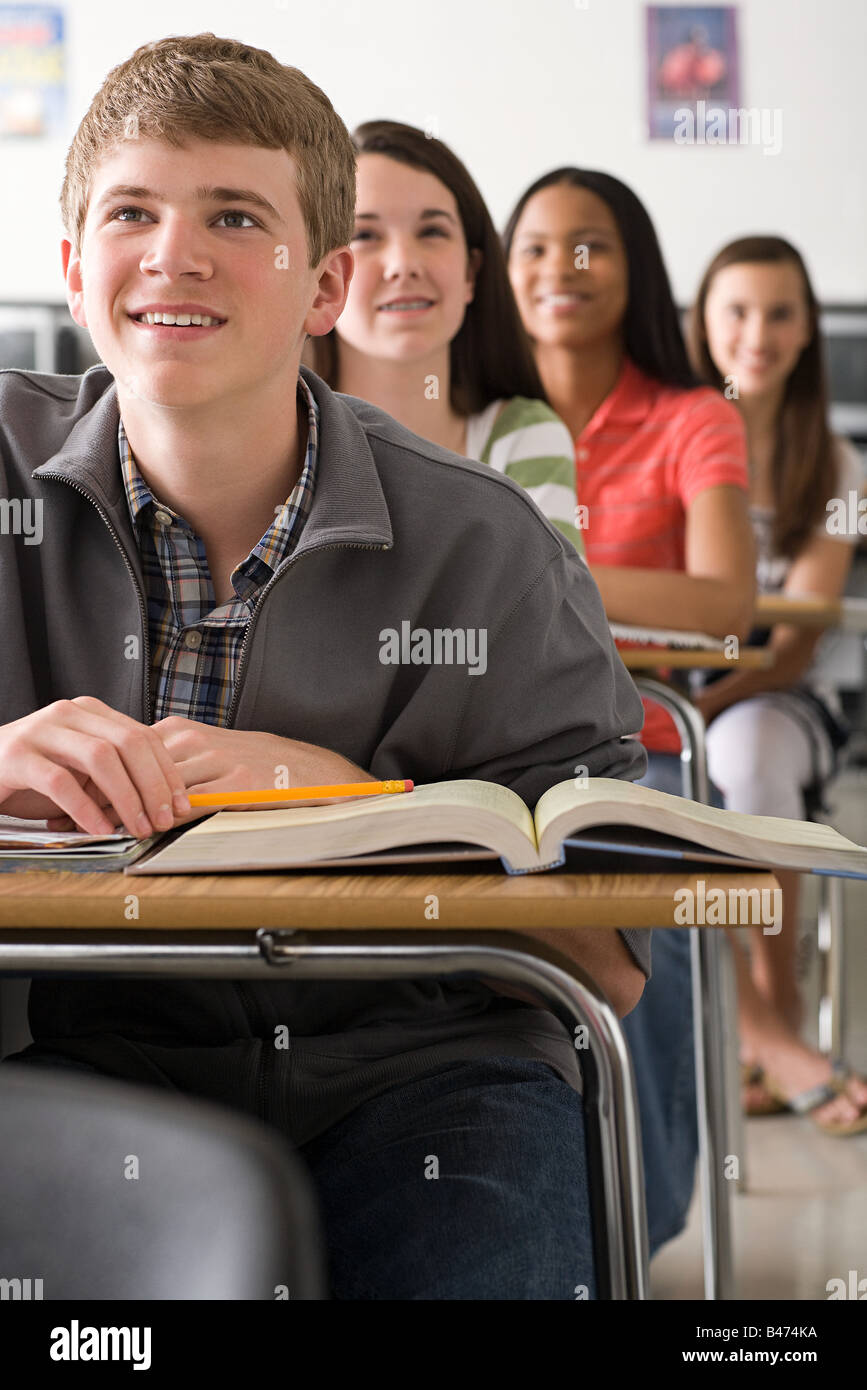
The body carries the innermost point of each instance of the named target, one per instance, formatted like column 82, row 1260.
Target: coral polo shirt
column 642, row 458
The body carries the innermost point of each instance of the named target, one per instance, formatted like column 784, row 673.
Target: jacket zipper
column 337, row 545
column 147, row 660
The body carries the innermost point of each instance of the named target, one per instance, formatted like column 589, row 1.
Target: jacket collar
column 348, row 507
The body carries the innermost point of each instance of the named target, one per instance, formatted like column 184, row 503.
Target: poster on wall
column 692, row 67
column 32, row 71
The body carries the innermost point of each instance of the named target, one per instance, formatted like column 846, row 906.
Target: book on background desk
column 665, row 637
column 443, row 821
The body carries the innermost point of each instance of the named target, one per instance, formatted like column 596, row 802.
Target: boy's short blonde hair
column 218, row 89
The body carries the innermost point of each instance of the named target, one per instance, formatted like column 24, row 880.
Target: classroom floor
column 803, row 1217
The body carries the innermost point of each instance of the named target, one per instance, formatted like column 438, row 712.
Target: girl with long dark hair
column 661, row 468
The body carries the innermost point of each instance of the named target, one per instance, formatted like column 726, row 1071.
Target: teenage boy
column 224, row 541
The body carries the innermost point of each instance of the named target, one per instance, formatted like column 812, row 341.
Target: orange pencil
column 299, row 793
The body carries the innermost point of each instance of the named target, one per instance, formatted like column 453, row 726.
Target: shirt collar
column 628, row 403
column 139, row 495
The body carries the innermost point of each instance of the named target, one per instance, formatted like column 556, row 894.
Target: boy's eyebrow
column 204, row 195
column 426, row 212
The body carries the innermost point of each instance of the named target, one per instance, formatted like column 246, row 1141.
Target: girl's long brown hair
column 804, row 472
column 491, row 357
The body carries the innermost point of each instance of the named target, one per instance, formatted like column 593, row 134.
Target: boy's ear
column 335, row 273
column 74, row 284
column 474, row 265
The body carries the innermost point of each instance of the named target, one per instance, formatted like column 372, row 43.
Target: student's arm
column 539, row 456
column 600, row 951
column 81, row 763
column 716, row 592
column 821, row 569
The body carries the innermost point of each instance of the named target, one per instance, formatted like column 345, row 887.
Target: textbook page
column 772, row 840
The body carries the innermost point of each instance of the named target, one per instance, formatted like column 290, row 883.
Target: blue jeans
column 467, row 1184
column 660, row 1036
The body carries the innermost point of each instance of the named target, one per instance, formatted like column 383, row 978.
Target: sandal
column 753, row 1075
column 817, row 1096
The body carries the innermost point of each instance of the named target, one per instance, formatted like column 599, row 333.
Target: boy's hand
column 75, row 757
column 212, row 759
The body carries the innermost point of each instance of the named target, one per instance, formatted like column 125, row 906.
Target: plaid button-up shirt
column 195, row 645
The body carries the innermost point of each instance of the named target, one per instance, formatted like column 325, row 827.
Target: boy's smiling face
column 166, row 230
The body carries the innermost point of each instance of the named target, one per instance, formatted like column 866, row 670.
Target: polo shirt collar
column 628, row 403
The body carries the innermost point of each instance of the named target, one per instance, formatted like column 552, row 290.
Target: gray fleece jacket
column 400, row 532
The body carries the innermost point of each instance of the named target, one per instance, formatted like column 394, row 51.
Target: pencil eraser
column 408, row 784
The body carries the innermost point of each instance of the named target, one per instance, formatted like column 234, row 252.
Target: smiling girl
column 430, row 331
column 661, row 468
column 773, row 734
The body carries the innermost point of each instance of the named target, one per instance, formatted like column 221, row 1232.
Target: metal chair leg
column 708, row 1019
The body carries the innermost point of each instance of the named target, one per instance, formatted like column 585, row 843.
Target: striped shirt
column 195, row 645
column 645, row 455
column 530, row 444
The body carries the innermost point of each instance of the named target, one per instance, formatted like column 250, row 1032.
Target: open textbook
column 440, row 820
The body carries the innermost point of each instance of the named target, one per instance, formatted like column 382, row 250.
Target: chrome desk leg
column 830, row 941
column 708, row 1021
column 616, row 1179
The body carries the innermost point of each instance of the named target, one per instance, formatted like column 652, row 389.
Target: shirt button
column 582, row 454
column 193, row 639
column 163, row 517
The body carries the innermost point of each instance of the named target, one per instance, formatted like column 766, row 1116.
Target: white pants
column 764, row 752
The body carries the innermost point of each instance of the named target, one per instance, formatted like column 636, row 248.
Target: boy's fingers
column 64, row 748
column 66, row 792
column 124, row 761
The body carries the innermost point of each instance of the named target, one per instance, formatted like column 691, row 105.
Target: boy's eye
column 117, row 215
column 121, row 215
column 250, row 220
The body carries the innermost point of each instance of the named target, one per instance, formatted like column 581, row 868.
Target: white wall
column 518, row 87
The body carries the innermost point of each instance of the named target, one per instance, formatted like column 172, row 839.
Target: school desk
column 373, row 925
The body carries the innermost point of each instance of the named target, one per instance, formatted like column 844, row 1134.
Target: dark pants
column 467, row 1184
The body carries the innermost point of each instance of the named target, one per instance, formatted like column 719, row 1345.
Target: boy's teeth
column 179, row 320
